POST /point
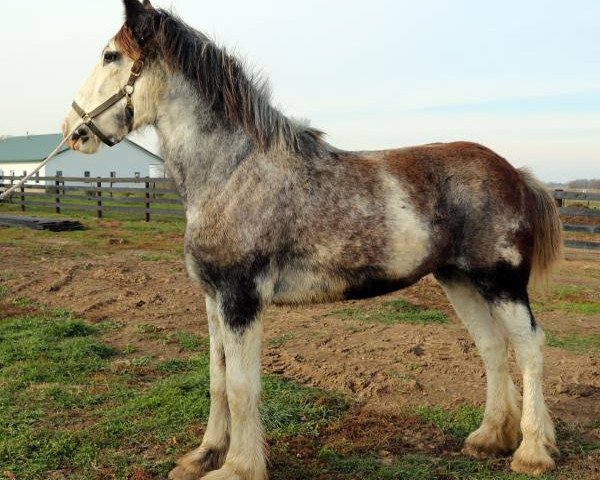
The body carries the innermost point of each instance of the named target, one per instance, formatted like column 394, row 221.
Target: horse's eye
column 110, row 57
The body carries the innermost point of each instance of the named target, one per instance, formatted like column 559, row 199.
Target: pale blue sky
column 522, row 77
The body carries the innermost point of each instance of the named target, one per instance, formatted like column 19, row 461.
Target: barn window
column 113, row 174
column 59, row 173
column 86, row 174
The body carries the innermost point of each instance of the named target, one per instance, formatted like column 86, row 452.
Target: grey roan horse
column 276, row 215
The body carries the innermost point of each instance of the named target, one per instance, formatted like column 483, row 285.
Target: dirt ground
column 387, row 368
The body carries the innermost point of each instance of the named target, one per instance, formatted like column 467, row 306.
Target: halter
column 126, row 91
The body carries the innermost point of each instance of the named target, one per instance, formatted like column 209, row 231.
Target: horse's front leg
column 213, row 450
column 242, row 332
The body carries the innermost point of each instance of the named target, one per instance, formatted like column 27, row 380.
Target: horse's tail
column 546, row 225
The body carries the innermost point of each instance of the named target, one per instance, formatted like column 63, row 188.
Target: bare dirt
column 386, row 368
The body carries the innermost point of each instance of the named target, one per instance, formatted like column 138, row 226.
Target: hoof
column 532, row 460
column 225, row 473
column 489, row 442
column 196, row 463
column 184, row 473
column 229, row 472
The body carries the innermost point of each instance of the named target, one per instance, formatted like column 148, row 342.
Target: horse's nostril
column 82, row 132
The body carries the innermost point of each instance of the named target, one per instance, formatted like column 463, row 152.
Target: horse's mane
column 242, row 98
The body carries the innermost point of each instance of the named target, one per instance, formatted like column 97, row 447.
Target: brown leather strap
column 126, row 91
column 87, row 120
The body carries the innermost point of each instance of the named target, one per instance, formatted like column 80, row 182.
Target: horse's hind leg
column 211, row 453
column 498, row 433
column 533, row 455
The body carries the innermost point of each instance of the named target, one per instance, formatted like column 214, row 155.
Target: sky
column 522, row 77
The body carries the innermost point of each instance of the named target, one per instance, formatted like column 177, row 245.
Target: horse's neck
column 200, row 152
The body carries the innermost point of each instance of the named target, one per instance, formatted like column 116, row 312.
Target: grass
column 157, row 257
column 65, row 409
column 281, row 340
column 569, row 299
column 582, row 308
column 159, row 240
column 459, row 422
column 417, row 467
column 67, row 412
column 394, row 312
column 589, row 344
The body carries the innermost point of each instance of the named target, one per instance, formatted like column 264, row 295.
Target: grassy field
column 73, row 407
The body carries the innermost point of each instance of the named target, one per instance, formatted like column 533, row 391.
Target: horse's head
column 120, row 72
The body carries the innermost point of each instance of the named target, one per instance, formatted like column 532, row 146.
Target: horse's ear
column 148, row 5
column 138, row 17
column 133, row 11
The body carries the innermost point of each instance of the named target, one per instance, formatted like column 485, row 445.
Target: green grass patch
column 459, row 422
column 63, row 408
column 190, row 343
column 153, row 257
column 394, row 312
column 575, row 343
column 23, row 302
column 417, row 467
column 582, row 308
column 3, row 291
column 569, row 299
column 562, row 292
column 281, row 340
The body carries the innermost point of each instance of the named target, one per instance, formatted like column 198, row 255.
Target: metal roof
column 32, row 148
column 35, row 148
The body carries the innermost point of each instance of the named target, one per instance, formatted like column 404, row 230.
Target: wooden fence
column 580, row 204
column 146, row 197
column 139, row 196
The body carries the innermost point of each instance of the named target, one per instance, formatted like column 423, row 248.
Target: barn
column 20, row 155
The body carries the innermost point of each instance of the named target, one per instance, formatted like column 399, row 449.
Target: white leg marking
column 532, row 456
column 211, row 453
column 217, row 430
column 246, row 457
column 498, row 433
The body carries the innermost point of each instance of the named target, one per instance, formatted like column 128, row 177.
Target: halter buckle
column 137, row 67
column 86, row 118
column 128, row 89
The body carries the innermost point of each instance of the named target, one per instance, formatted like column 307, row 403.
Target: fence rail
column 140, row 195
column 157, row 196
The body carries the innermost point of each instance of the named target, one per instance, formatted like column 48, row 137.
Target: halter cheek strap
column 126, row 91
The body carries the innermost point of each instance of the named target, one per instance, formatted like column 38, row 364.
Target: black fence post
column 23, row 198
column 99, row 195
column 560, row 202
column 147, row 201
column 57, row 193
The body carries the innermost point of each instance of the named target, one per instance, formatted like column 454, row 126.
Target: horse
column 276, row 215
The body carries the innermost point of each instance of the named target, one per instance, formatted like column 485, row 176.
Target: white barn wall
column 125, row 159
column 19, row 167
